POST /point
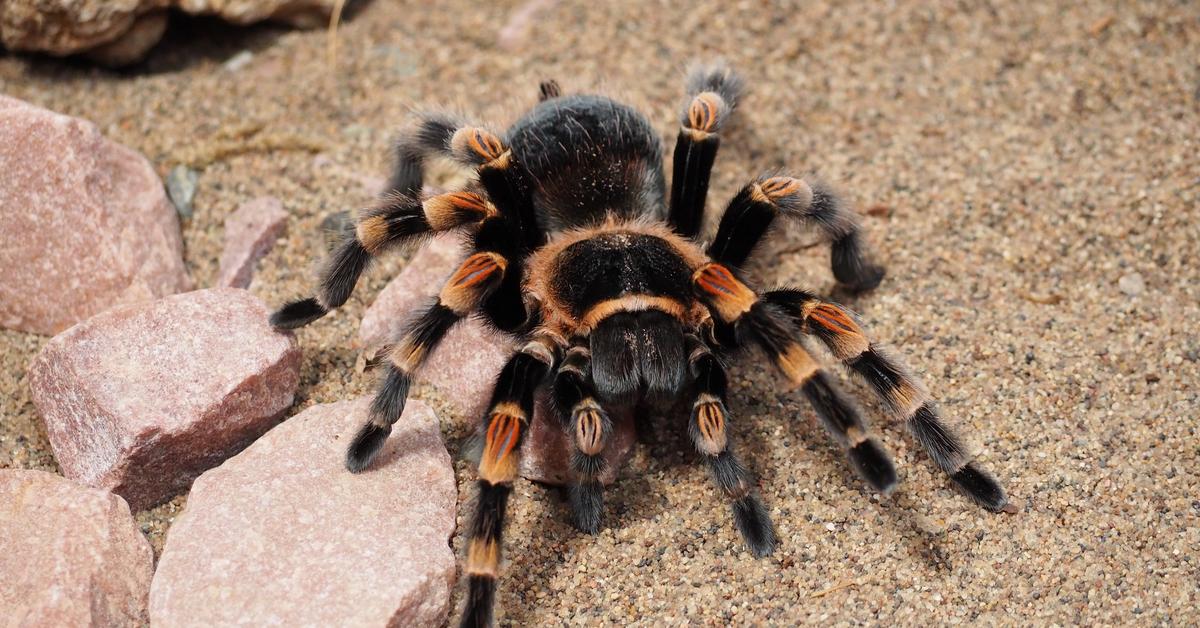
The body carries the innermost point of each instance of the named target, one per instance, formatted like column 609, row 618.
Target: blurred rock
column 283, row 535
column 181, row 187
column 143, row 398
column 85, row 221
column 298, row 13
column 250, row 232
column 120, row 31
column 63, row 27
column 1132, row 284
column 238, row 61
column 132, row 46
column 73, row 555
column 464, row 367
column 515, row 32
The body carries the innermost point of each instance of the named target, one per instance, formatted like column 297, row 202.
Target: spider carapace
column 578, row 251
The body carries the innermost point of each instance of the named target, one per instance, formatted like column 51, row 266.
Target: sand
column 1032, row 179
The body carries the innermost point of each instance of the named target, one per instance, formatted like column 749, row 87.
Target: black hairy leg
column 902, row 394
column 750, row 214
column 504, row 428
column 768, row 327
column 708, row 428
column 401, row 215
column 588, row 427
column 712, row 94
column 476, row 278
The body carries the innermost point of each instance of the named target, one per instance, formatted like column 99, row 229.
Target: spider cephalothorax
column 578, row 252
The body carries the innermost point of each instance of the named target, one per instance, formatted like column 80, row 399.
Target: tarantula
column 578, row 252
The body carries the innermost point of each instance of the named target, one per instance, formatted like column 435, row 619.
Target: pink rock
column 86, row 223
column 143, row 398
column 73, row 555
column 250, row 232
column 283, row 535
column 516, row 30
column 464, row 367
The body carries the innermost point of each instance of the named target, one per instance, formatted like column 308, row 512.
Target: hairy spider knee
column 479, row 147
column 787, row 194
column 707, row 427
column 592, row 425
column 705, row 114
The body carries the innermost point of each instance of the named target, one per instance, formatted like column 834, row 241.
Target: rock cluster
column 143, row 398
column 73, row 555
column 119, row 32
column 85, row 220
column 283, row 535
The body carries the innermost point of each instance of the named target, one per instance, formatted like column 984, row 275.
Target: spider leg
column 754, row 208
column 712, row 93
column 401, row 216
column 588, row 427
column 902, row 394
column 472, row 283
column 707, row 429
column 505, row 425
column 761, row 323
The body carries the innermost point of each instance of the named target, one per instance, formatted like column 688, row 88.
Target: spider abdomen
column 585, row 157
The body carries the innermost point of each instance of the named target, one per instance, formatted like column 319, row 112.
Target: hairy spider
column 577, row 252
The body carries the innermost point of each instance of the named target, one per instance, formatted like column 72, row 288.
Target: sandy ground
column 1021, row 163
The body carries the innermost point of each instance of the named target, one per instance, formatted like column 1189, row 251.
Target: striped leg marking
column 505, row 426
column 589, row 427
column 708, row 429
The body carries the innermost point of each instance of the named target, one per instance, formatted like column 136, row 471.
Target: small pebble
column 1132, row 284
column 239, row 61
column 181, row 187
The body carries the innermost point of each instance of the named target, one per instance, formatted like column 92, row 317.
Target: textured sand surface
column 1033, row 181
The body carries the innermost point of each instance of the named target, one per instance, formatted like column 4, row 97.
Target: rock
column 238, row 61
column 515, row 31
column 464, row 367
column 1132, row 284
column 85, row 221
column 143, row 398
column 298, row 13
column 73, row 555
column 181, row 187
column 132, row 46
column 63, row 27
column 66, row 27
column 283, row 535
column 250, row 232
